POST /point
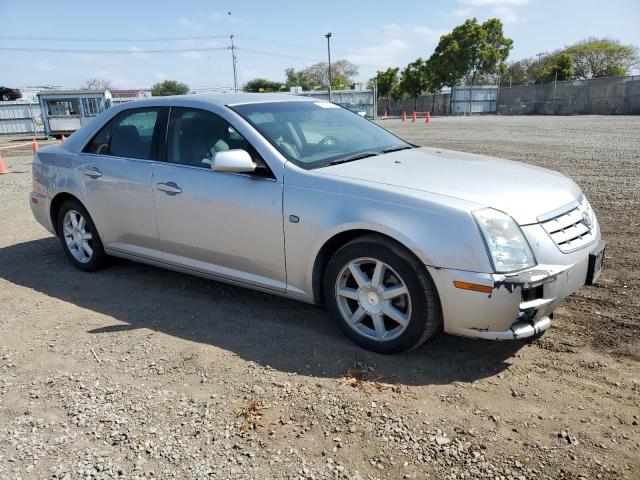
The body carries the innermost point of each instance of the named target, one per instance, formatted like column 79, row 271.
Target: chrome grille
column 572, row 229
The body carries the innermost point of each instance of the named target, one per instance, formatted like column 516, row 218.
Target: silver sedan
column 302, row 198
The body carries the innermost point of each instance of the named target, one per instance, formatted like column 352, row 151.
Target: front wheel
column 381, row 296
column 79, row 237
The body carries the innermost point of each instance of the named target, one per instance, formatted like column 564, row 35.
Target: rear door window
column 133, row 133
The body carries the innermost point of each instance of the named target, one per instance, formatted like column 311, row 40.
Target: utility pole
column 234, row 59
column 328, row 36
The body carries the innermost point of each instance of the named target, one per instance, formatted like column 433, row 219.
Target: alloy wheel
column 77, row 236
column 373, row 299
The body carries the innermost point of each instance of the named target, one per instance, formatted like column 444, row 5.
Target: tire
column 6, row 97
column 87, row 260
column 397, row 313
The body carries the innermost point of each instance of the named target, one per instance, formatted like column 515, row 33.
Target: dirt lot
column 139, row 372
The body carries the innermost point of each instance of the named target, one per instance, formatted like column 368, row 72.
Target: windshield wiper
column 396, row 148
column 355, row 156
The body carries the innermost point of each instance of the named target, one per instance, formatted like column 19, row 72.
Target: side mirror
column 235, row 161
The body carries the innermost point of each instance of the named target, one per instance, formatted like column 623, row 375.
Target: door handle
column 92, row 172
column 169, row 188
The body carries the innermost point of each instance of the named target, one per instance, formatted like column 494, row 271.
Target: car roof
column 241, row 98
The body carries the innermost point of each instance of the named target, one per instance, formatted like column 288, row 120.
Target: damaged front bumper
column 518, row 305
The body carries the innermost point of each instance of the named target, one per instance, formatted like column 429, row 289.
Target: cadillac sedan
column 302, row 198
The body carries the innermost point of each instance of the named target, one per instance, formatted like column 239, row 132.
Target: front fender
column 438, row 230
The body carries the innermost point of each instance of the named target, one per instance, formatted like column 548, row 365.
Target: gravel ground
column 137, row 372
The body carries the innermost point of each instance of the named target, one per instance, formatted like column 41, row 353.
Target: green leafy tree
column 595, row 58
column 386, row 81
column 298, row 78
column 557, row 65
column 514, row 74
column 262, row 85
column 414, row 80
column 169, row 87
column 470, row 50
column 317, row 76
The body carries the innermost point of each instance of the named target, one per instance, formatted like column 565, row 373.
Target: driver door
column 226, row 225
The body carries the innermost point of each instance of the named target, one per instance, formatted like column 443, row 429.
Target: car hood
column 523, row 191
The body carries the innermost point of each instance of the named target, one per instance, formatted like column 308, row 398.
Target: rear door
column 114, row 172
column 224, row 224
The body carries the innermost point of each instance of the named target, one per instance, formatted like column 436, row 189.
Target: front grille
column 571, row 230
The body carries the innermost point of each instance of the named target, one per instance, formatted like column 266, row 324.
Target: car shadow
column 286, row 335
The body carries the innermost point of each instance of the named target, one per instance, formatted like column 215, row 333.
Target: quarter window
column 99, row 144
column 132, row 135
column 195, row 136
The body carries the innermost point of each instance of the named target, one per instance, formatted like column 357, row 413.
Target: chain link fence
column 439, row 104
column 598, row 96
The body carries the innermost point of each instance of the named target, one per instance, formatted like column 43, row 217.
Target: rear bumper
column 40, row 207
column 518, row 306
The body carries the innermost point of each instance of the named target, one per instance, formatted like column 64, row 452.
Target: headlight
column 585, row 206
column 506, row 245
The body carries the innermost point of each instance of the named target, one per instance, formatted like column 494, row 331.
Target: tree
column 298, row 78
column 317, row 75
column 262, row 85
column 557, row 65
column 515, row 73
column 169, row 87
column 594, row 58
column 386, row 82
column 470, row 50
column 97, row 84
column 414, row 80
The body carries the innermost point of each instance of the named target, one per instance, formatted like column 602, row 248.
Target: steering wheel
column 328, row 140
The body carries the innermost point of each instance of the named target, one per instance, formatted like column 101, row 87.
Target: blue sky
column 273, row 35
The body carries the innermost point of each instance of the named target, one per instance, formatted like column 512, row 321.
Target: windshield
column 315, row 134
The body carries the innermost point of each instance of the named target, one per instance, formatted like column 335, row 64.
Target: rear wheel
column 6, row 97
column 79, row 237
column 383, row 300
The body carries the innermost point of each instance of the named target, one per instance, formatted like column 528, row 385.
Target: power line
column 272, row 54
column 130, row 52
column 98, row 39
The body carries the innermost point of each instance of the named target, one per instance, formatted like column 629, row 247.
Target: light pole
column 328, row 36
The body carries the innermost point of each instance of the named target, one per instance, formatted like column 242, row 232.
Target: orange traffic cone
column 35, row 146
column 62, row 138
column 404, row 116
column 386, row 114
column 3, row 167
column 428, row 118
column 413, row 118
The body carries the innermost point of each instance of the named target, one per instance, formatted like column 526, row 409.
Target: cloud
column 507, row 14
column 506, row 10
column 493, row 3
column 189, row 24
column 159, row 76
column 138, row 52
column 380, row 55
column 193, row 55
column 393, row 44
column 463, row 12
column 44, row 66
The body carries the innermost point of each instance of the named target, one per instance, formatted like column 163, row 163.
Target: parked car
column 359, row 109
column 299, row 197
column 7, row 94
